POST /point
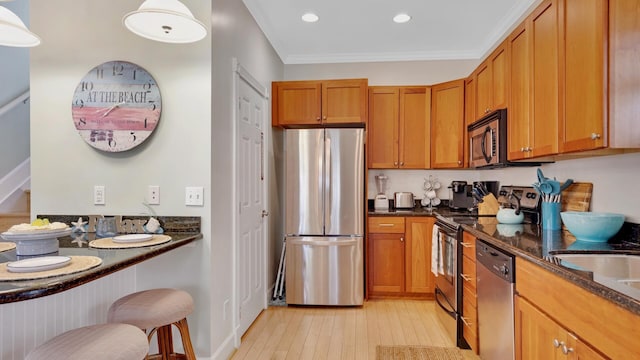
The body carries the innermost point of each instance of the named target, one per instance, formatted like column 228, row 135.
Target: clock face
column 116, row 106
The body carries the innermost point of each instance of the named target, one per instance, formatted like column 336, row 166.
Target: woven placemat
column 5, row 246
column 108, row 243
column 417, row 353
column 77, row 264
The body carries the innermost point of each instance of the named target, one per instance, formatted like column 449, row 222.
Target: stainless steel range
column 448, row 287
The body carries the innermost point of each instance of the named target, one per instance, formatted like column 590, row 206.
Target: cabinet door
column 414, row 128
column 483, row 89
column 344, row 101
column 536, row 333
column 544, row 43
column 518, row 116
column 419, row 278
column 297, row 103
column 382, row 147
column 499, row 77
column 386, row 263
column 585, row 114
column 447, row 125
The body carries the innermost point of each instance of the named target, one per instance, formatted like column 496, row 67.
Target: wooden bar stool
column 154, row 311
column 97, row 342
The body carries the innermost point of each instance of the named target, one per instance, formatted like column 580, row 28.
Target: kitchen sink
column 616, row 271
column 610, row 265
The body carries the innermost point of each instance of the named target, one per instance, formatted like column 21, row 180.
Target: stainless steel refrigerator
column 324, row 216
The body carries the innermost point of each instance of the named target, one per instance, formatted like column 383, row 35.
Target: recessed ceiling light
column 401, row 18
column 310, row 17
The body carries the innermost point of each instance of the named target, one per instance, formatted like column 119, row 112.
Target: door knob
column 265, row 213
column 595, row 136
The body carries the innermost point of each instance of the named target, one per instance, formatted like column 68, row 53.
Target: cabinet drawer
column 468, row 272
column 468, row 245
column 470, row 324
column 386, row 225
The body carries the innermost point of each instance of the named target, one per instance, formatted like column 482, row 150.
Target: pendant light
column 167, row 21
column 13, row 32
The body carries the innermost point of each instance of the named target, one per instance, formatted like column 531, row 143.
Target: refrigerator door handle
column 327, row 186
column 349, row 242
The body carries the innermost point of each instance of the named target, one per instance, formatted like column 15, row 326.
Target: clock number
column 133, row 134
column 134, row 74
column 79, row 103
column 147, row 86
column 118, row 69
column 86, row 86
column 145, row 122
column 82, row 121
column 99, row 72
column 153, row 105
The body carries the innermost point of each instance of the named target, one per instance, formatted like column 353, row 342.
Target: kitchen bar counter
column 112, row 260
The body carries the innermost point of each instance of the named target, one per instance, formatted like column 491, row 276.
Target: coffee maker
column 460, row 195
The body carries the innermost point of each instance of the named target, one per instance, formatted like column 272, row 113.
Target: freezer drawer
column 324, row 271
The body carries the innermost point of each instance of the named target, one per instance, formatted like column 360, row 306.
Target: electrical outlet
column 194, row 196
column 98, row 195
column 153, row 195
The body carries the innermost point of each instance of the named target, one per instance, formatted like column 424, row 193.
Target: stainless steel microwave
column 488, row 142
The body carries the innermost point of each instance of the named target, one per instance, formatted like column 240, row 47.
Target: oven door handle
column 442, row 231
column 448, row 309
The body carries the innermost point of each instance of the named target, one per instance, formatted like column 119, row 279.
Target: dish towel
column 435, row 240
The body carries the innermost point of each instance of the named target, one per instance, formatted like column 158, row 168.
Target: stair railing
column 24, row 98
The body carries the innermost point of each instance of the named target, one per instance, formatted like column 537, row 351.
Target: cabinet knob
column 402, row 238
column 465, row 277
column 395, row 163
column 401, row 163
column 522, row 149
column 595, row 136
column 459, row 162
column 557, row 343
column 487, row 110
column 324, row 118
column 318, row 118
column 566, row 350
column 465, row 321
column 465, row 244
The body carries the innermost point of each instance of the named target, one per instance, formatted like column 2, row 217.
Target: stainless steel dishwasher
column 495, row 276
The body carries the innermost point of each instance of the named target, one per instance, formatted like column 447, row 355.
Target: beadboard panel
column 27, row 324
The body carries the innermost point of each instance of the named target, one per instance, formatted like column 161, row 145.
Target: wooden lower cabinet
column 399, row 256
column 549, row 308
column 469, row 294
column 540, row 337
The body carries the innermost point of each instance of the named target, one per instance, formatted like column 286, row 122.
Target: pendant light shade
column 167, row 21
column 13, row 32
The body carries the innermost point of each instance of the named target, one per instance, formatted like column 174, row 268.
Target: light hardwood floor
column 288, row 332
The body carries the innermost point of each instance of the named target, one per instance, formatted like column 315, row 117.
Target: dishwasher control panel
column 495, row 260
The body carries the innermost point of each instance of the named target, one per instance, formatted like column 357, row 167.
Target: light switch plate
column 194, row 196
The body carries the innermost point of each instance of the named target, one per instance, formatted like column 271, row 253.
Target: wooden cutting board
column 577, row 197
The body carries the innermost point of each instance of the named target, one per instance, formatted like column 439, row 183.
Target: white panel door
column 251, row 267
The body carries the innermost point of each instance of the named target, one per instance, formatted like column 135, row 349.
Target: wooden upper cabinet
column 492, row 86
column 518, row 116
column 316, row 103
column 534, row 108
column 447, row 125
column 545, row 79
column 399, row 127
column 624, row 74
column 584, row 58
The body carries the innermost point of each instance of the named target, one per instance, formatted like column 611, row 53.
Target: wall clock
column 116, row 106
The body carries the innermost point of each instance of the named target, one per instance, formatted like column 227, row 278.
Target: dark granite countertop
column 530, row 242
column 112, row 259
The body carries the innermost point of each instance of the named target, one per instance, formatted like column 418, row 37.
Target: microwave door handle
column 483, row 145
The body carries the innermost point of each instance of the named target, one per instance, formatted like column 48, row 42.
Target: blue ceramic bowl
column 592, row 226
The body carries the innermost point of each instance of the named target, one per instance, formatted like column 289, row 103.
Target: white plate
column 38, row 264
column 132, row 238
column 36, row 235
